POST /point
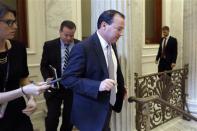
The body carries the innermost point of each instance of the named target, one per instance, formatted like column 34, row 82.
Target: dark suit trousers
column 107, row 121
column 54, row 100
column 164, row 65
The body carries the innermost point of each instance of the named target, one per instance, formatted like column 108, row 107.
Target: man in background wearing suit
column 167, row 53
column 94, row 75
column 54, row 59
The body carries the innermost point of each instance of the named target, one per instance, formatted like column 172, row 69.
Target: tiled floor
column 178, row 124
column 39, row 125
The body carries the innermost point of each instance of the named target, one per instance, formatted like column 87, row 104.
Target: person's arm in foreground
column 31, row 103
column 30, row 89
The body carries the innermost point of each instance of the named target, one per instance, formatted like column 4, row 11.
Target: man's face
column 8, row 26
column 67, row 35
column 113, row 31
column 165, row 33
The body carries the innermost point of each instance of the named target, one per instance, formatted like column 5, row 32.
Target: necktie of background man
column 163, row 49
column 111, row 74
column 66, row 55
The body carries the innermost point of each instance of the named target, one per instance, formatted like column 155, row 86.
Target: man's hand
column 31, row 107
column 173, row 65
column 125, row 92
column 156, row 61
column 107, row 85
column 35, row 89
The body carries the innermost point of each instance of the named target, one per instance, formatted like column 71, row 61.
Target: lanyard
column 7, row 70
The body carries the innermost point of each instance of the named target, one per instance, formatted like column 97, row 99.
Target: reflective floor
column 178, row 124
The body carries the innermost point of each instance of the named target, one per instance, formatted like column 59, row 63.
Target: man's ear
column 103, row 25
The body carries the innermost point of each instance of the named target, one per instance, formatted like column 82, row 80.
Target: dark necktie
column 111, row 74
column 163, row 55
column 66, row 55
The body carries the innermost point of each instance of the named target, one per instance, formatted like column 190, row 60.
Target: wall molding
column 150, row 46
column 149, row 55
column 33, row 65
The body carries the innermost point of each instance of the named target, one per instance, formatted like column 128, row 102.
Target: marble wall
column 190, row 51
column 58, row 10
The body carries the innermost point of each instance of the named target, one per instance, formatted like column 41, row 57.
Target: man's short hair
column 67, row 23
column 107, row 16
column 165, row 28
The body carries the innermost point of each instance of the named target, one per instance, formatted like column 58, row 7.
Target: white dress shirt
column 104, row 45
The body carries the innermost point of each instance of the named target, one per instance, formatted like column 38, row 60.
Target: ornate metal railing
column 146, row 111
column 169, row 86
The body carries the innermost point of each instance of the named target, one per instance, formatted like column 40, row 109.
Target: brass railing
column 169, row 87
column 146, row 110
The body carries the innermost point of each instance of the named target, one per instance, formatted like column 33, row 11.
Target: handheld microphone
column 54, row 81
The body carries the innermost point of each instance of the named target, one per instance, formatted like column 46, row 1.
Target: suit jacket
column 52, row 56
column 170, row 50
column 85, row 71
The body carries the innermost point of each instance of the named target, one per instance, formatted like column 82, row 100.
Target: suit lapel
column 169, row 42
column 115, row 51
column 76, row 41
column 57, row 50
column 100, row 54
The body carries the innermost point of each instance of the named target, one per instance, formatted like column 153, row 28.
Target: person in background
column 13, row 74
column 94, row 74
column 54, row 61
column 167, row 53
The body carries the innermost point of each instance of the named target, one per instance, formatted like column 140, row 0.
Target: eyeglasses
column 10, row 23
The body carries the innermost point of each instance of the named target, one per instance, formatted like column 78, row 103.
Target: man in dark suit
column 54, row 57
column 89, row 75
column 167, row 53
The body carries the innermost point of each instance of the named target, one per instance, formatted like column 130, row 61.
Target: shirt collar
column 103, row 42
column 167, row 37
column 63, row 45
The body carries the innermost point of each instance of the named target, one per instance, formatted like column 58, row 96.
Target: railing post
column 185, row 94
column 137, row 107
column 146, row 113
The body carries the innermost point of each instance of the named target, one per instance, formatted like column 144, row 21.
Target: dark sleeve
column 159, row 51
column 25, row 71
column 174, row 56
column 74, row 74
column 44, row 65
column 76, row 41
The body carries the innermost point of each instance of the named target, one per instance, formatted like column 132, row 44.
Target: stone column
column 129, row 50
column 190, row 51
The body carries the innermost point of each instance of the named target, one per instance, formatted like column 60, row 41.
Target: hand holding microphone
column 35, row 89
